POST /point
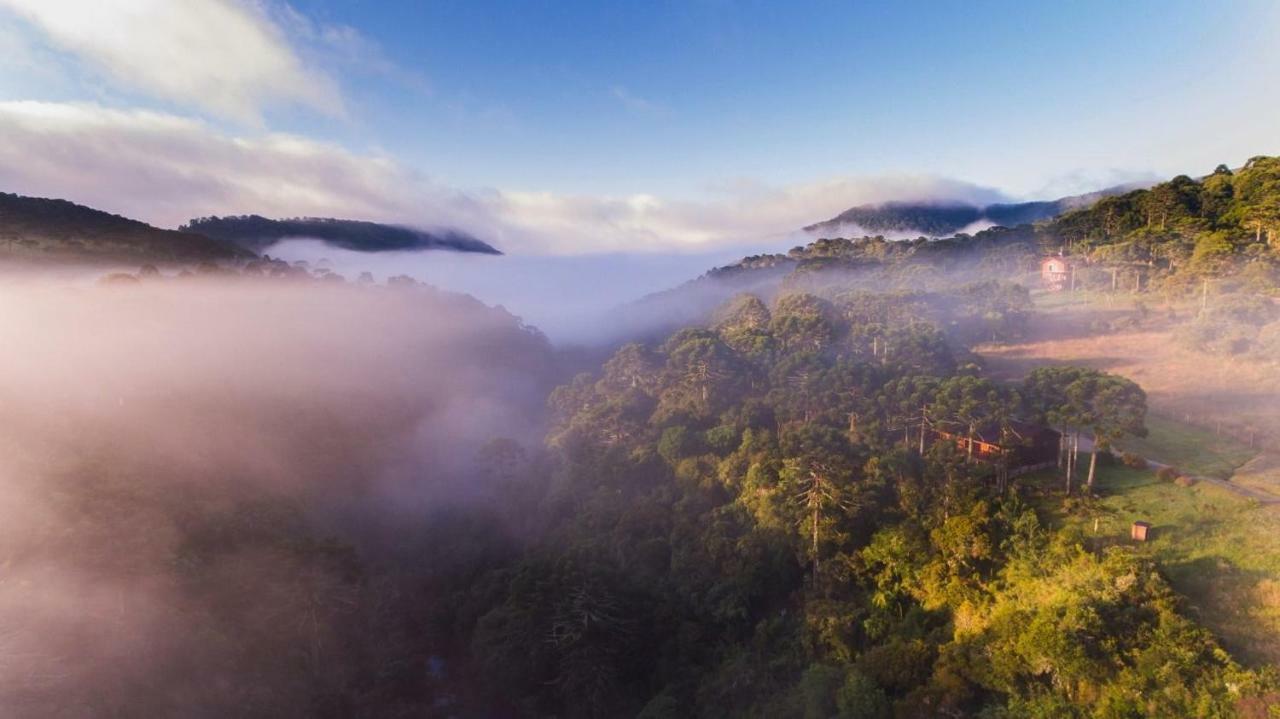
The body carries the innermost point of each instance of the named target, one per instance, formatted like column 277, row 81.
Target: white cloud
column 741, row 212
column 222, row 56
column 635, row 103
column 166, row 169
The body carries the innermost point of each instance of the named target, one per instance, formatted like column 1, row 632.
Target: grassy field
column 1210, row 416
column 1238, row 397
column 1191, row 449
column 1220, row 551
column 1261, row 472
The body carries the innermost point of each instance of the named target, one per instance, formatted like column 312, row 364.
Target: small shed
column 1140, row 531
column 1054, row 271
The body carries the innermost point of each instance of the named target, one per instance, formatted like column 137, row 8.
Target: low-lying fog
column 567, row 297
column 170, row 450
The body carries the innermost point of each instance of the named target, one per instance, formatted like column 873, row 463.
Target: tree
column 803, row 322
column 1075, row 398
column 1112, row 407
column 633, row 366
column 973, row 403
column 820, row 495
column 1045, row 393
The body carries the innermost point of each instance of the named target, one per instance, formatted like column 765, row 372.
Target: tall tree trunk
column 924, row 421
column 1072, row 450
column 970, row 458
column 815, row 542
column 1093, row 465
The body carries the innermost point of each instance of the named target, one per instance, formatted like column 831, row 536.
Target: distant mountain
column 944, row 218
column 34, row 228
column 257, row 233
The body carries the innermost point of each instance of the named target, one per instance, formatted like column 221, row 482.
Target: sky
column 565, row 127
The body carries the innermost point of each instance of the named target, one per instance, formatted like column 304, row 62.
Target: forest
column 742, row 523
column 805, row 496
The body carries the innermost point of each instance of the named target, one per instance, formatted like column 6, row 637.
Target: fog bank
column 175, row 455
column 569, row 297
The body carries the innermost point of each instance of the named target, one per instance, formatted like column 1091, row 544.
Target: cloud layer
column 221, row 56
column 165, row 169
column 237, row 59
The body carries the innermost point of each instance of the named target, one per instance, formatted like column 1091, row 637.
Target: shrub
column 1185, row 481
column 1135, row 461
column 1167, row 474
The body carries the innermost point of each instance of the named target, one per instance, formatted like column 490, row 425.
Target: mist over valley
column 448, row 360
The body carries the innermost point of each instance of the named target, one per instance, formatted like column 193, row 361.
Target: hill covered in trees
column 1216, row 223
column 1169, row 239
column 756, row 517
column 33, row 228
column 257, row 233
column 943, row 218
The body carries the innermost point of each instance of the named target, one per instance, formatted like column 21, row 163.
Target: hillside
column 257, row 233
column 943, row 218
column 33, row 228
column 1201, row 219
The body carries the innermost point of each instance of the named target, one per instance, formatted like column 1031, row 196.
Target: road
column 1259, row 495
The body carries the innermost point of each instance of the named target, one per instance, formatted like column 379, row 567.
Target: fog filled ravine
column 198, row 478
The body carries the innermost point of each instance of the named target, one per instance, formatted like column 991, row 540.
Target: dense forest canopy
column 1167, row 240
column 742, row 523
column 257, row 233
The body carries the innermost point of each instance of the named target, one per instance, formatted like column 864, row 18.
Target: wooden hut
column 1140, row 531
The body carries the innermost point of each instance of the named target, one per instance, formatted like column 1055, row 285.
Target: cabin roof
column 992, row 433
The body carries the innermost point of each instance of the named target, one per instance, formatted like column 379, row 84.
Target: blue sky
column 556, row 125
column 637, row 97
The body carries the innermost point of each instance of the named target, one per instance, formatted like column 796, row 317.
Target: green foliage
column 749, row 528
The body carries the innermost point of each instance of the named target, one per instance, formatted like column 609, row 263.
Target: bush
column 1134, row 461
column 676, row 443
column 1185, row 481
column 1167, row 474
column 722, row 439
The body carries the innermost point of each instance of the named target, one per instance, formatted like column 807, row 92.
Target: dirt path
column 1261, row 496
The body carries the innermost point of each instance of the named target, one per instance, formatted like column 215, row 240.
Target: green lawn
column 1191, row 449
column 1220, row 551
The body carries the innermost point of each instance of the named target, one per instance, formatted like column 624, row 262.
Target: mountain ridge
column 255, row 232
column 943, row 218
column 42, row 228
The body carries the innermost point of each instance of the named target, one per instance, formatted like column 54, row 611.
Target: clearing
column 1220, row 551
column 1211, row 417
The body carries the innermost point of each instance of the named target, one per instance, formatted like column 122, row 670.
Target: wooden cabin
column 1055, row 272
column 1018, row 446
column 1140, row 531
